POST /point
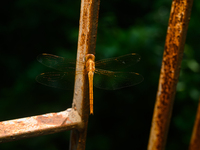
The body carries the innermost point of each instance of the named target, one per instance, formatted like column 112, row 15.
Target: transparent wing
column 118, row 62
column 111, row 80
column 104, row 79
column 56, row 62
column 62, row 80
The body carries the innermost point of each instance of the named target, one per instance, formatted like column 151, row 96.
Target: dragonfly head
column 90, row 56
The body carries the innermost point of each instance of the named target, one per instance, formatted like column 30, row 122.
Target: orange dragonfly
column 105, row 77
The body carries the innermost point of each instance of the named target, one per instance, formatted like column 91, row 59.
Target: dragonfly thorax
column 90, row 64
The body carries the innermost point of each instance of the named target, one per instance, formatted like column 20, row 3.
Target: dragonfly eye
column 90, row 56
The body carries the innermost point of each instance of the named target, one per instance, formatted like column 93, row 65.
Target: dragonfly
column 103, row 74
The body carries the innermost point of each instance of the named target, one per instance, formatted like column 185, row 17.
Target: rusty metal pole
column 171, row 64
column 195, row 139
column 39, row 125
column 86, row 45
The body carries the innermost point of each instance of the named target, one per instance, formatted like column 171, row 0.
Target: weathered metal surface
column 86, row 45
column 39, row 125
column 195, row 139
column 172, row 57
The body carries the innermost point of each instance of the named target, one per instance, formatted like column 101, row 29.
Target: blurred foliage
column 122, row 117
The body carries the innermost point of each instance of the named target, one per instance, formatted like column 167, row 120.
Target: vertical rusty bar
column 172, row 57
column 86, row 45
column 195, row 139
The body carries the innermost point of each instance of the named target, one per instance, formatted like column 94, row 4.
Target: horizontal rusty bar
column 39, row 125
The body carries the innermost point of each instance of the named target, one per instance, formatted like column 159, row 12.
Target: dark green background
column 122, row 118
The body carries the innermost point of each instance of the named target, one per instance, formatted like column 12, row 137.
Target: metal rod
column 39, row 125
column 172, row 57
column 195, row 139
column 86, row 45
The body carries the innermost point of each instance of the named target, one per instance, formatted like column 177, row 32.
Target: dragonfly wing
column 118, row 62
column 56, row 62
column 62, row 80
column 111, row 80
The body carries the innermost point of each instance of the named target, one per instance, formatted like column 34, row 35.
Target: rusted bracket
column 74, row 118
column 39, row 125
column 172, row 57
